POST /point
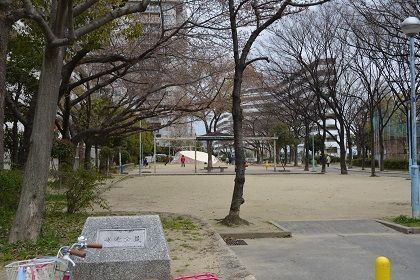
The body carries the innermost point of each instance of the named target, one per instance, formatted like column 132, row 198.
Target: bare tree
column 59, row 31
column 214, row 85
column 388, row 44
column 257, row 16
column 313, row 48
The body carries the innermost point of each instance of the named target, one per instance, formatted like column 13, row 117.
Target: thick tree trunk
column 295, row 150
column 28, row 220
column 237, row 197
column 4, row 38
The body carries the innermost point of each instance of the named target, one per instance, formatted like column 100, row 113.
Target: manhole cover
column 232, row 242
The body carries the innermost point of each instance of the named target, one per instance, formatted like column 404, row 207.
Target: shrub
column 389, row 164
column 396, row 164
column 11, row 183
column 63, row 150
column 82, row 189
column 358, row 162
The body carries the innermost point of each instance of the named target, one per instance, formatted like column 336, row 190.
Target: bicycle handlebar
column 77, row 253
column 94, row 245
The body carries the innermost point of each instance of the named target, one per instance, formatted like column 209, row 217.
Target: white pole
column 195, row 156
column 154, row 152
column 140, row 151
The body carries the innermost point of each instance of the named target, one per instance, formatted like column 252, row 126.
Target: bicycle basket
column 46, row 268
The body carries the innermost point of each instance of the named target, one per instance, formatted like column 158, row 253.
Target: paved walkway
column 319, row 256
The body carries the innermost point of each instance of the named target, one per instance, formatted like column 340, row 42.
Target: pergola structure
column 214, row 136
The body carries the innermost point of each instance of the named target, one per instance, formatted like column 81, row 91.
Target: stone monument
column 134, row 247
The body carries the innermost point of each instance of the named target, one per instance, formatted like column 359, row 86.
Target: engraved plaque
column 122, row 237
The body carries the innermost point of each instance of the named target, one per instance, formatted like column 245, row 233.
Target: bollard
column 382, row 268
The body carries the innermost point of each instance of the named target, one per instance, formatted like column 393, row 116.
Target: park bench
column 221, row 168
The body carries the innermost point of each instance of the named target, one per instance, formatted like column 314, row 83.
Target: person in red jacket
column 182, row 161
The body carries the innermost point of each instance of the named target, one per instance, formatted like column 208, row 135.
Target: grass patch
column 60, row 228
column 407, row 221
column 178, row 223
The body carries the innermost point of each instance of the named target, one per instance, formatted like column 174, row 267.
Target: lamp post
column 411, row 27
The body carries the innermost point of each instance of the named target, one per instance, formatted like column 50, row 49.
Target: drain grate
column 232, row 242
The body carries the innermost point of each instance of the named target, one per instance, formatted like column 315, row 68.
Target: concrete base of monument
column 134, row 247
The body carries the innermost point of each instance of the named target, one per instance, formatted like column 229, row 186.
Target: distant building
column 258, row 104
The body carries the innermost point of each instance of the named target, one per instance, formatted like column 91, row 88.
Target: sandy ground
column 267, row 197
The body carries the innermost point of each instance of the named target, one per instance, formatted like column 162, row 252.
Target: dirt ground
column 267, row 198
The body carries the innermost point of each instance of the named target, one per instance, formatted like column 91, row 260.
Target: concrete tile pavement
column 331, row 256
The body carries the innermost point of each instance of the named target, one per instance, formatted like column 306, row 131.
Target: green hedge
column 389, row 164
column 11, row 183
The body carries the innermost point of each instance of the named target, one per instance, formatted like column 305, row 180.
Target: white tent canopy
column 190, row 156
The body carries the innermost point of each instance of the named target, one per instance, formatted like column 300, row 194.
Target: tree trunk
column 209, row 155
column 86, row 162
column 66, row 116
column 381, row 150
column 26, row 139
column 363, row 157
column 14, row 151
column 306, row 147
column 363, row 147
column 258, row 153
column 97, row 158
column 295, row 150
column 350, row 147
column 342, row 144
column 286, row 158
column 372, row 148
column 4, row 38
column 28, row 220
column 324, row 136
column 237, row 197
